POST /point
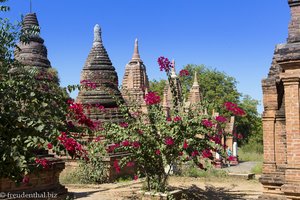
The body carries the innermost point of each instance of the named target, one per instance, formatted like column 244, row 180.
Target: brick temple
column 281, row 117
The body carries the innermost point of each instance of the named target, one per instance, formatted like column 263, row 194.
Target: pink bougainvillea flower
column 185, row 145
column 177, row 118
column 164, row 64
column 25, row 179
column 125, row 143
column 42, row 162
column 100, row 107
column 140, row 131
column 130, row 164
column 117, row 166
column 180, row 153
column 240, row 136
column 195, row 153
column 135, row 177
column 136, row 144
column 152, row 98
column 49, row 146
column 206, row 153
column 183, row 72
column 157, row 152
column 216, row 139
column 221, row 119
column 231, row 158
column 169, row 141
column 207, row 123
column 169, row 119
column 123, row 124
column 232, row 107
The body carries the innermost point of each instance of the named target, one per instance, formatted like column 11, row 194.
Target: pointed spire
column 97, row 35
column 173, row 72
column 30, row 21
column 136, row 55
column 195, row 80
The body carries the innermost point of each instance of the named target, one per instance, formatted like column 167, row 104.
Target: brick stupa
column 135, row 81
column 195, row 95
column 167, row 103
column 281, row 117
column 98, row 68
column 33, row 54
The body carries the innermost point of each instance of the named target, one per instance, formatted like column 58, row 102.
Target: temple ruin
column 281, row 117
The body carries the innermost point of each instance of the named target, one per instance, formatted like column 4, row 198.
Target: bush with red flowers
column 154, row 141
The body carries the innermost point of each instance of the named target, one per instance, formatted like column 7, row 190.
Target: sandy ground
column 193, row 188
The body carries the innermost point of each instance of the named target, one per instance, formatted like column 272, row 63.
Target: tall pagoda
column 135, row 81
column 98, row 69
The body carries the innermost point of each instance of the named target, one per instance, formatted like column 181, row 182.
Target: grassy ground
column 246, row 155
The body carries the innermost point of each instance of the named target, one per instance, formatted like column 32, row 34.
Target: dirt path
column 194, row 188
column 242, row 167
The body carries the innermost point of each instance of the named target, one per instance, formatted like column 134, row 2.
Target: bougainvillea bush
column 156, row 142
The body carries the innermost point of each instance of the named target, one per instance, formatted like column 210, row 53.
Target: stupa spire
column 97, row 35
column 196, row 84
column 173, row 72
column 136, row 54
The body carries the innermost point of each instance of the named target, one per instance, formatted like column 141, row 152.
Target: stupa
column 98, row 69
column 33, row 54
column 135, row 81
column 195, row 94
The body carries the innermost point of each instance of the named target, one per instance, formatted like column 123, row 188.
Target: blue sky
column 233, row 36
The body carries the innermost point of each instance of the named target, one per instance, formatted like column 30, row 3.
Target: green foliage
column 246, row 155
column 257, row 169
column 193, row 171
column 157, row 86
column 251, row 125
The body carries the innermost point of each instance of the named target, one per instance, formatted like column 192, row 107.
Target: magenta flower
column 164, row 64
column 117, row 166
column 135, row 177
column 43, row 162
column 232, row 107
column 195, row 153
column 221, row 119
column 231, row 158
column 152, row 98
column 136, row 144
column 183, row 72
column 49, row 146
column 169, row 141
column 25, row 179
column 130, row 164
column 125, row 143
column 157, row 152
column 185, row 145
column 177, row 118
column 206, row 153
column 123, row 124
column 207, row 123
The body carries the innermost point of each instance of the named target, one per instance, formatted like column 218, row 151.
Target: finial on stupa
column 195, row 79
column 30, row 6
column 173, row 72
column 97, row 35
column 136, row 54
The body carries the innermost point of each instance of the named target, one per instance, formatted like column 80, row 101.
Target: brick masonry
column 281, row 117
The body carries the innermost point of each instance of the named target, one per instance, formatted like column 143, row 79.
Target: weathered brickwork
column 281, row 117
column 99, row 70
column 135, row 81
